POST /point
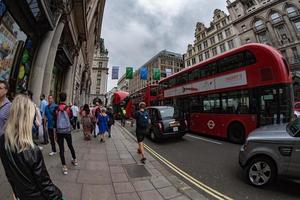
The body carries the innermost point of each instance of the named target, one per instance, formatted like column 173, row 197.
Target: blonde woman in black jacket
column 22, row 160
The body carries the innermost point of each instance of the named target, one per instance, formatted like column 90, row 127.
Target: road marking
column 200, row 138
column 186, row 176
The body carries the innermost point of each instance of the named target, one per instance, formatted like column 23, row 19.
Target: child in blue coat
column 102, row 118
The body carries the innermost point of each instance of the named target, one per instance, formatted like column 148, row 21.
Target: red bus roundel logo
column 211, row 124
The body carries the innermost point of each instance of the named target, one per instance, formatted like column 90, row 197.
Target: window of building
column 218, row 25
column 222, row 47
column 259, row 24
column 98, row 81
column 190, row 54
column 193, row 61
column 97, row 91
column 230, row 44
column 282, row 32
column 100, row 64
column 228, row 32
column 250, row 3
column 203, row 35
column 224, row 22
column 206, row 54
column 262, row 37
column 296, row 54
column 291, row 11
column 200, row 57
column 297, row 26
column 205, row 44
column 188, row 63
column 163, row 61
column 98, row 73
column 243, row 27
column 198, row 38
column 214, row 51
column 212, row 40
column 199, row 47
column 220, row 36
column 275, row 17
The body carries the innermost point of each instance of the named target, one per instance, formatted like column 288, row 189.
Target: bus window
column 153, row 92
column 285, row 104
column 211, row 103
column 235, row 102
column 249, row 58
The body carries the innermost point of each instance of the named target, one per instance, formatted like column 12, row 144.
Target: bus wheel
column 236, row 133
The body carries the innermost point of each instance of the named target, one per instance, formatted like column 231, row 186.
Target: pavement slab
column 103, row 173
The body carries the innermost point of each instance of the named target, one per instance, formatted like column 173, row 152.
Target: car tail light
column 286, row 151
column 160, row 126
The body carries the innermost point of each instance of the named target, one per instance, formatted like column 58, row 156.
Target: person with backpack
column 142, row 123
column 63, row 127
column 111, row 120
column 87, row 122
column 22, row 160
column 48, row 117
column 102, row 119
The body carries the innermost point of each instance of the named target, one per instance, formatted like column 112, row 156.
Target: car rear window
column 168, row 113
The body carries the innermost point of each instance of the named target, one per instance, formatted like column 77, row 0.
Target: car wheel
column 236, row 133
column 152, row 135
column 261, row 171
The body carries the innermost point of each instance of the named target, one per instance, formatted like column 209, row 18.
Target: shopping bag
column 96, row 130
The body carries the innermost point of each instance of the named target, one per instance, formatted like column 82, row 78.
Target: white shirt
column 75, row 110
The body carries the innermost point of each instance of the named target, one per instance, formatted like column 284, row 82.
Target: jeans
column 74, row 122
column 52, row 139
column 60, row 141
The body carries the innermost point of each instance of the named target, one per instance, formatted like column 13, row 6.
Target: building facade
column 272, row 22
column 123, row 83
column 221, row 36
column 168, row 63
column 49, row 45
column 99, row 73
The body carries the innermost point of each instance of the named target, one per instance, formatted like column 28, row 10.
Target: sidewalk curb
column 180, row 185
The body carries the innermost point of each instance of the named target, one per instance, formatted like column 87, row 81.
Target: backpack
column 143, row 119
column 63, row 124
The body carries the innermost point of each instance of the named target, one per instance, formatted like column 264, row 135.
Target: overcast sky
column 136, row 30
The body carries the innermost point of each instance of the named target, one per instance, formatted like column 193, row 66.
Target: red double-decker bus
column 232, row 94
column 147, row 94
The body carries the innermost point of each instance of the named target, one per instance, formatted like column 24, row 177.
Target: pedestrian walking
column 62, row 117
column 48, row 118
column 102, row 119
column 75, row 111
column 4, row 105
column 22, row 160
column 87, row 122
column 123, row 116
column 95, row 111
column 142, row 123
column 111, row 120
column 42, row 107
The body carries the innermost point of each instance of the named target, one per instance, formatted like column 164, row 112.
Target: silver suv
column 272, row 151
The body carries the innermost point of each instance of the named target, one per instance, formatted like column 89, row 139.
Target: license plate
column 175, row 129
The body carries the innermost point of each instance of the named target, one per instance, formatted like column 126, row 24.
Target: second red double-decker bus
column 233, row 93
column 147, row 94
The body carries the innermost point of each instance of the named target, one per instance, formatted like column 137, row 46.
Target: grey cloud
column 133, row 35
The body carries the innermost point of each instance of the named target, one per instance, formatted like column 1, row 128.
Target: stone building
column 168, row 63
column 123, row 83
column 49, row 46
column 272, row 22
column 99, row 73
column 221, row 36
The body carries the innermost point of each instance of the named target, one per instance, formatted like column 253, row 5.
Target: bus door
column 268, row 106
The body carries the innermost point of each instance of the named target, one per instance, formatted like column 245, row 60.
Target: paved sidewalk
column 109, row 171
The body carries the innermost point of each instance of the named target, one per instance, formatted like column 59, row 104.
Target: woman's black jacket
column 27, row 174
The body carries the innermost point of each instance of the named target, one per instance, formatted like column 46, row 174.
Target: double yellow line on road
column 186, row 176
